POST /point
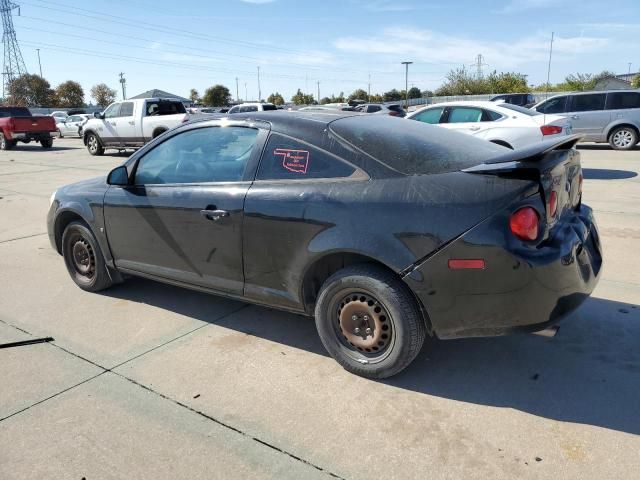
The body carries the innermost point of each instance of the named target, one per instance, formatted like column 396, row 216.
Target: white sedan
column 72, row 125
column 505, row 124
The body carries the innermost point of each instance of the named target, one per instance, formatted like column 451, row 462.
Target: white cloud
column 521, row 5
column 427, row 46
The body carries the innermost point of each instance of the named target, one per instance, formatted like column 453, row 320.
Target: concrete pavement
column 152, row 381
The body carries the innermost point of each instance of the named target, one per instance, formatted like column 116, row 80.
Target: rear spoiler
column 514, row 159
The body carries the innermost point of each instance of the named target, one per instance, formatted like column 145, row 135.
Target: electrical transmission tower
column 13, row 64
column 479, row 64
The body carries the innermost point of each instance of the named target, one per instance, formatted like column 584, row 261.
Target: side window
column 432, row 115
column 209, row 154
column 112, row 111
column 490, row 116
column 286, row 158
column 374, row 108
column 587, row 103
column 465, row 115
column 152, row 108
column 252, row 108
column 553, row 105
column 126, row 109
column 620, row 100
column 234, row 110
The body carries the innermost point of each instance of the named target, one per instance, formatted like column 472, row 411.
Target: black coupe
column 385, row 230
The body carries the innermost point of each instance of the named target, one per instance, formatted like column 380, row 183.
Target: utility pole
column 629, row 68
column 406, row 84
column 123, row 82
column 259, row 91
column 479, row 64
column 246, row 95
column 237, row 94
column 369, row 89
column 13, row 64
column 318, row 92
column 549, row 66
column 39, row 64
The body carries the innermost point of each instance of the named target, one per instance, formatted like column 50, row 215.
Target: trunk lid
column 33, row 124
column 554, row 164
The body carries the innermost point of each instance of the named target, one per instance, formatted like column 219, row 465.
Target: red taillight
column 393, row 114
column 550, row 129
column 524, row 223
column 466, row 264
column 553, row 203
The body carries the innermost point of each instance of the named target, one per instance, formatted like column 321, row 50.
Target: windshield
column 414, row 148
column 517, row 108
column 14, row 112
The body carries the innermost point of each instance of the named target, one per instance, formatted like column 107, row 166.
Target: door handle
column 132, row 123
column 575, row 117
column 214, row 215
column 474, row 128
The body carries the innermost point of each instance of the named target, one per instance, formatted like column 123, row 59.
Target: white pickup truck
column 132, row 123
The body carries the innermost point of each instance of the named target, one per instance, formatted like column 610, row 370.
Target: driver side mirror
column 118, row 176
column 99, row 115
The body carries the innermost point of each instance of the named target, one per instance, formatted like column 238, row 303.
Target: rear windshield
column 14, row 112
column 518, row 108
column 266, row 107
column 165, row 107
column 414, row 148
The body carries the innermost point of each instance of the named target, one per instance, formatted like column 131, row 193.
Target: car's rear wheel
column 83, row 258
column 60, row 134
column 623, row 138
column 46, row 142
column 369, row 321
column 93, row 145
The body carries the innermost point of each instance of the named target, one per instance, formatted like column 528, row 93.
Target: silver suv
column 611, row 116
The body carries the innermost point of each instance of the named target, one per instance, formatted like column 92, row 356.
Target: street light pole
column 259, row 91
column 39, row 64
column 406, row 84
column 237, row 94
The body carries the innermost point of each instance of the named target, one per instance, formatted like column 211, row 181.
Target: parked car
column 502, row 123
column 610, row 116
column 132, row 123
column 252, row 107
column 72, row 125
column 18, row 125
column 385, row 230
column 521, row 99
column 381, row 109
column 59, row 115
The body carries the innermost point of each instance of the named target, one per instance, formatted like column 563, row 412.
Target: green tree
column 302, row 98
column 461, row 82
column 69, row 94
column 276, row 99
column 216, row 96
column 393, row 96
column 30, row 91
column 325, row 100
column 581, row 82
column 376, row 98
column 414, row 92
column 103, row 95
column 359, row 94
column 635, row 83
column 507, row 82
column 194, row 95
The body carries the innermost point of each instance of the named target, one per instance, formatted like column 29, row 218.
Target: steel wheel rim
column 374, row 336
column 92, row 143
column 622, row 138
column 82, row 257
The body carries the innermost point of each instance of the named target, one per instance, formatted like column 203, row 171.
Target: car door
column 129, row 131
column 554, row 105
column 73, row 124
column 181, row 218
column 624, row 107
column 587, row 114
column 430, row 115
column 465, row 119
column 107, row 127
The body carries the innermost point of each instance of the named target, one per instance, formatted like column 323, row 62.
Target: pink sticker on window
column 294, row 160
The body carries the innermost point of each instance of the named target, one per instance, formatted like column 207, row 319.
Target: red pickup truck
column 18, row 125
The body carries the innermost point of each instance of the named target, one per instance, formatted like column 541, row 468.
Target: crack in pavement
column 22, row 238
column 161, row 395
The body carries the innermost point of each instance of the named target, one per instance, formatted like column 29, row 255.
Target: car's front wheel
column 5, row 144
column 46, row 142
column 60, row 134
column 369, row 321
column 623, row 138
column 93, row 145
column 83, row 258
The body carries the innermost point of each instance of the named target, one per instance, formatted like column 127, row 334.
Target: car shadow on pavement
column 589, row 373
column 606, row 174
column 601, row 146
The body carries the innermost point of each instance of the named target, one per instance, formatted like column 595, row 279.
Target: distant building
column 156, row 93
column 619, row 82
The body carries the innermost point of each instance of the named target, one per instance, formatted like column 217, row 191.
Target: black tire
column 623, row 138
column 157, row 133
column 46, row 142
column 94, row 146
column 397, row 330
column 83, row 258
column 6, row 144
column 60, row 134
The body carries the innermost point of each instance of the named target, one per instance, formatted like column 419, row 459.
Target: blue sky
column 176, row 46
